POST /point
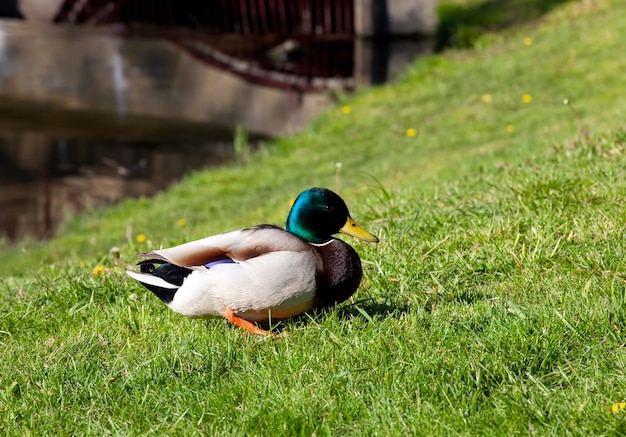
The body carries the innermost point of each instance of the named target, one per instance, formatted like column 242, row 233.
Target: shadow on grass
column 461, row 25
column 367, row 308
column 370, row 309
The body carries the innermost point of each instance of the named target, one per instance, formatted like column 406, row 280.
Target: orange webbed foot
column 246, row 325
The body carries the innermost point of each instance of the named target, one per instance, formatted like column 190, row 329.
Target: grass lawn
column 495, row 303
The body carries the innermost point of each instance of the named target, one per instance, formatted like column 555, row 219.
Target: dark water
column 56, row 162
column 45, row 181
column 87, row 119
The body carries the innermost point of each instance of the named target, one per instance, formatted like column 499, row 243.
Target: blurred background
column 104, row 99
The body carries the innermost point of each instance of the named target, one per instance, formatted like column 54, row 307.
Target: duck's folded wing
column 238, row 245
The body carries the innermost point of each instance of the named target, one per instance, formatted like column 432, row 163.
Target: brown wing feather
column 190, row 256
column 237, row 245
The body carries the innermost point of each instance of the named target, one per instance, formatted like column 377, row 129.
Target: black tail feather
column 169, row 272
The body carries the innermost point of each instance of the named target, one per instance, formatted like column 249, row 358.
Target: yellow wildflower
column 617, row 407
column 98, row 270
column 141, row 238
column 527, row 98
column 528, row 41
column 486, row 98
column 346, row 109
column 509, row 128
column 181, row 222
column 410, row 132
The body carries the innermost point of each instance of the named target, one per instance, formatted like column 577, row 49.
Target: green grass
column 463, row 22
column 495, row 303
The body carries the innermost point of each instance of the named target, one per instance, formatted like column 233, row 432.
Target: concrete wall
column 43, row 10
column 394, row 17
column 82, row 68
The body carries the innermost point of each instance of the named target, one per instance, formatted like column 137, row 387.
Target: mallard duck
column 264, row 272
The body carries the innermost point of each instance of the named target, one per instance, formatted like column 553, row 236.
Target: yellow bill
column 354, row 230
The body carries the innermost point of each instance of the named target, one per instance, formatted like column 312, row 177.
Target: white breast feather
column 281, row 282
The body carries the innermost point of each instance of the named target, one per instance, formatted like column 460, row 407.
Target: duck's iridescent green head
column 318, row 213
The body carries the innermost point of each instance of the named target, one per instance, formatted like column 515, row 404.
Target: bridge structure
column 296, row 44
column 248, row 17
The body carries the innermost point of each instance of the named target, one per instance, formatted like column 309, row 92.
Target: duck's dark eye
column 328, row 207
